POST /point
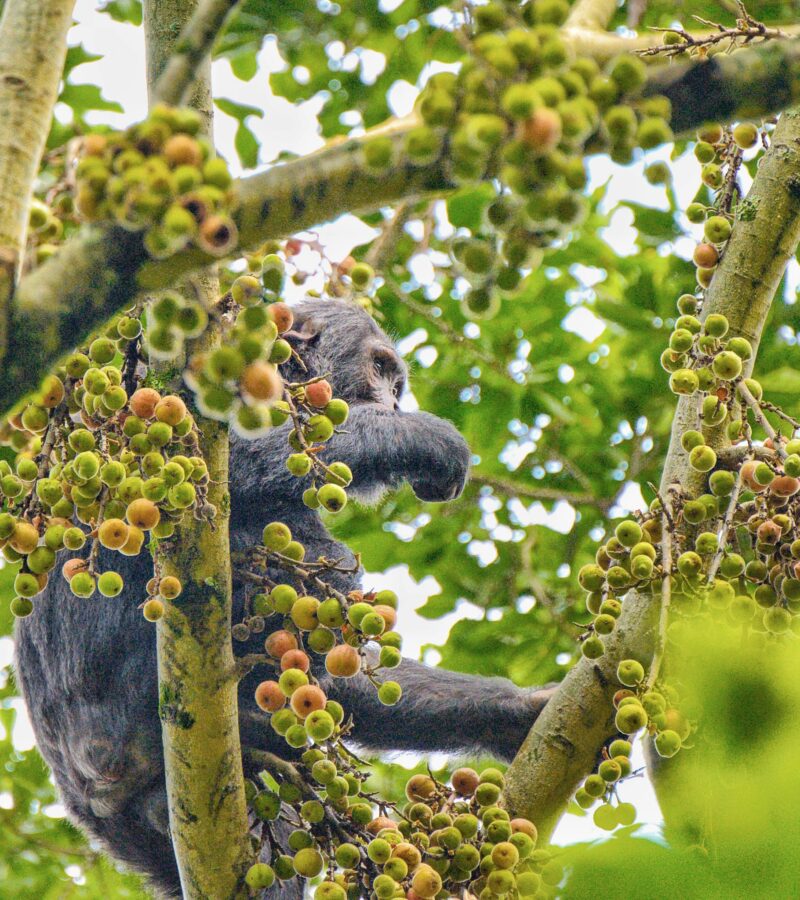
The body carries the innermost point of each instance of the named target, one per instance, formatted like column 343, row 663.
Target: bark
column 197, row 686
column 565, row 741
column 170, row 75
column 316, row 188
column 592, row 15
column 33, row 46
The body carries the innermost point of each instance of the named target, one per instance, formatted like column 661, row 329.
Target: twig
column 722, row 534
column 191, row 49
column 271, row 763
column 577, row 473
column 447, row 330
column 732, row 161
column 82, row 852
column 746, row 31
column 383, row 246
column 43, row 460
column 666, row 595
column 244, row 665
column 663, row 502
column 543, row 598
column 509, row 487
column 758, row 413
column 771, row 407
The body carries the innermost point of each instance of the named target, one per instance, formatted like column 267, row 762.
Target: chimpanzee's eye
column 397, row 390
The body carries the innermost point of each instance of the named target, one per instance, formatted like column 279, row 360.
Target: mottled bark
column 197, row 686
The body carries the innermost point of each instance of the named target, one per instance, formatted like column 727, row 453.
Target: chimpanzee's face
column 346, row 345
column 389, row 375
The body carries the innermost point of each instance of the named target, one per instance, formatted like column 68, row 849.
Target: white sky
column 285, row 127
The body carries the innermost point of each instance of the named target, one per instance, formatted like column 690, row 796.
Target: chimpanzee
column 87, row 669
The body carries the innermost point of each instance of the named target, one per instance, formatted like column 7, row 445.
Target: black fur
column 87, row 669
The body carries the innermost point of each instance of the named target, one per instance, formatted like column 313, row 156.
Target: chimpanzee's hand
column 440, row 472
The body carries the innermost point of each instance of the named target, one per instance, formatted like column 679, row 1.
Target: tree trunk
column 197, row 686
column 564, row 743
column 33, row 46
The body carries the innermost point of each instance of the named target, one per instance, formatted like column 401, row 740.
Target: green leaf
column 247, row 146
column 655, row 223
column 83, row 98
column 244, row 65
column 124, row 11
column 77, row 56
column 238, row 111
column 437, row 606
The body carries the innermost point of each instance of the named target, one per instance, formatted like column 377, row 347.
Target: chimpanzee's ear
column 304, row 333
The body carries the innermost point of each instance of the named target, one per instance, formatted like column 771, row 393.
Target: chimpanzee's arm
column 383, row 448
column 441, row 711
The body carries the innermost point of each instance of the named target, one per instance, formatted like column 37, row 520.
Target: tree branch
column 511, row 488
column 189, row 52
column 747, row 84
column 603, row 46
column 563, row 744
column 471, row 347
column 197, row 689
column 593, row 15
column 100, row 270
column 666, row 592
column 316, row 188
column 746, row 394
column 33, row 46
column 724, row 529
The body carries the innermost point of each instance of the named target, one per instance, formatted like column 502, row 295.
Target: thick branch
column 197, row 687
column 316, row 188
column 52, row 310
column 33, row 46
column 593, row 15
column 563, row 744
